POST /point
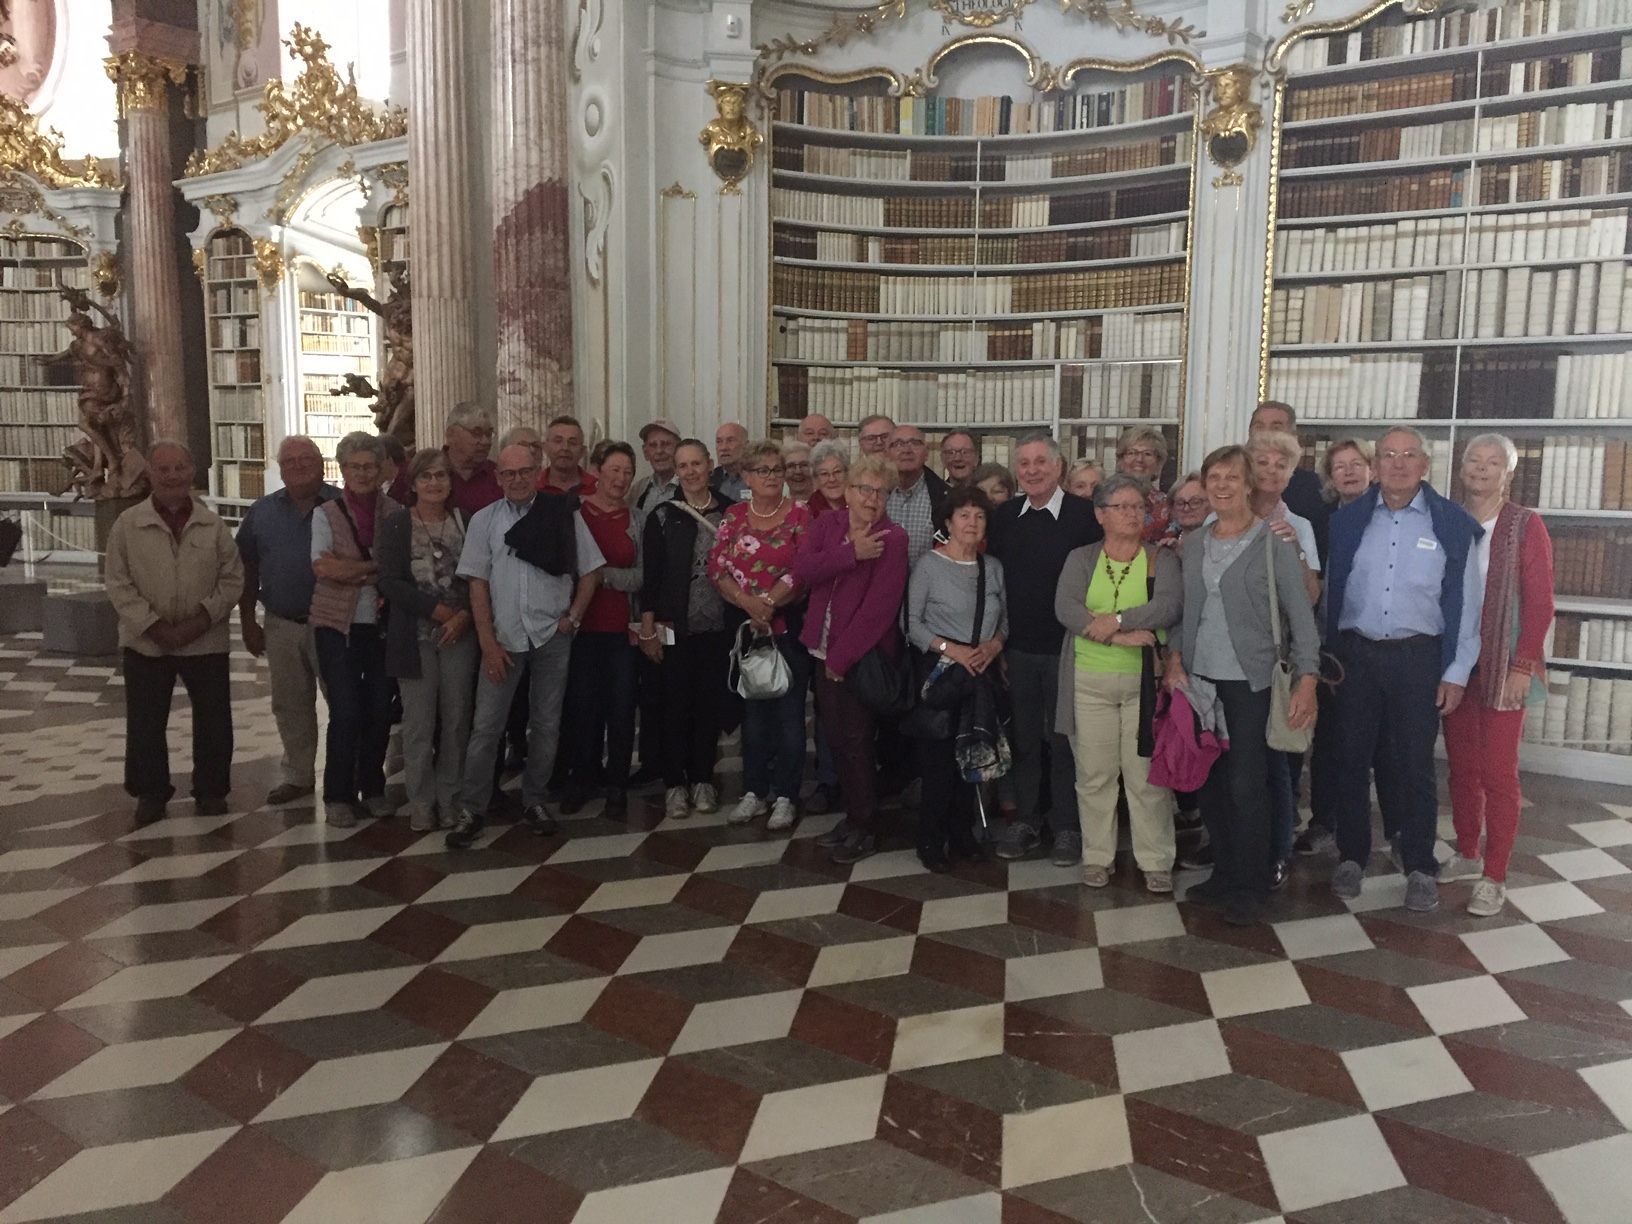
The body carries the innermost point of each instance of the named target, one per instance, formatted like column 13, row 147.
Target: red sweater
column 609, row 611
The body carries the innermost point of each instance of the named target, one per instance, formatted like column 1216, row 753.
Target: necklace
column 769, row 514
column 438, row 538
column 1116, row 580
column 707, row 501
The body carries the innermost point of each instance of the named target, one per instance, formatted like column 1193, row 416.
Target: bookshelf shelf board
column 1384, row 118
column 874, row 187
column 1599, row 201
column 1367, row 424
column 979, row 270
column 1585, row 765
column 973, row 365
column 1354, row 274
column 1338, row 221
column 802, row 313
column 1624, row 516
column 937, row 426
column 1118, row 421
column 1490, row 104
column 235, row 314
column 1392, row 166
column 1589, row 149
column 809, row 134
column 1593, row 606
column 1595, row 664
column 1600, row 340
column 1512, row 103
column 1549, row 423
column 936, row 231
column 1448, row 57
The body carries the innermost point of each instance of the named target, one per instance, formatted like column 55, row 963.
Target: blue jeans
column 601, row 695
column 1283, row 802
column 361, row 697
column 546, row 671
column 773, row 732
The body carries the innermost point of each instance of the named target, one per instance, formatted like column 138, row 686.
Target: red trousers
column 1482, row 746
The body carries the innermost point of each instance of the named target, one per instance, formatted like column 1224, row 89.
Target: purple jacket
column 865, row 596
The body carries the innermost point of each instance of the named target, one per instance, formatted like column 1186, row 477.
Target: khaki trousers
column 291, row 660
column 1106, row 747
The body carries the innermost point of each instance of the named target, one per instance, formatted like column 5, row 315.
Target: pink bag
column 1184, row 753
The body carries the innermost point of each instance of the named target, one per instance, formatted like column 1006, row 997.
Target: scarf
column 362, row 516
column 1499, row 625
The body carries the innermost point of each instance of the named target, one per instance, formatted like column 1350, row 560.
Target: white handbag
column 758, row 672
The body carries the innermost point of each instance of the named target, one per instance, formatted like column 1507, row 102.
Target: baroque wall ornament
column 105, row 272
column 24, row 147
column 319, row 104
column 20, row 197
column 224, row 208
column 1230, row 127
column 142, row 79
column 982, row 14
column 1297, row 10
column 596, row 180
column 730, row 139
column 268, row 264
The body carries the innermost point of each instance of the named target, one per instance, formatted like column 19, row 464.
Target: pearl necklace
column 780, row 506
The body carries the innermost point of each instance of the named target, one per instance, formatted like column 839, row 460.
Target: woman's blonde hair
column 1271, row 441
column 1143, row 433
column 1347, row 442
column 875, row 466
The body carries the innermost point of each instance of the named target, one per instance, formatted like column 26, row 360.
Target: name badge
column 1427, row 545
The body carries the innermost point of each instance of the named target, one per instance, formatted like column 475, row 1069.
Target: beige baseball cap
column 661, row 423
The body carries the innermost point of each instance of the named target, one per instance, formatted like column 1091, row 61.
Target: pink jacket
column 864, row 596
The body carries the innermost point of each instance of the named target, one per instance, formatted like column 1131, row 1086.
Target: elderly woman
column 829, row 461
column 758, row 539
column 1347, row 466
column 1141, row 452
column 956, row 612
column 1188, row 502
column 1227, row 642
column 1515, row 555
column 797, row 470
column 429, row 648
column 682, row 630
column 854, row 564
column 1083, row 477
column 1113, row 597
column 601, row 679
column 345, row 616
column 994, row 480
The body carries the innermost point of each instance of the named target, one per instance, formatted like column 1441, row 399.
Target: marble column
column 155, row 324
column 531, row 232
column 439, row 166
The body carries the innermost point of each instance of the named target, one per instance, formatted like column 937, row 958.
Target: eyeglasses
column 904, row 443
column 765, row 471
column 1394, row 454
column 360, row 465
column 477, row 431
column 1126, row 507
column 1139, row 452
column 517, row 473
column 958, row 452
column 433, row 474
column 797, row 467
column 883, row 436
column 868, row 492
column 1190, row 503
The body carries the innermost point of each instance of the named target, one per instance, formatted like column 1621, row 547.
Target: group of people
column 546, row 600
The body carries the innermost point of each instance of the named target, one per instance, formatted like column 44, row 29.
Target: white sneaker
column 782, row 816
column 676, row 806
column 419, row 821
column 749, row 806
column 704, row 798
column 1488, row 898
column 1459, row 868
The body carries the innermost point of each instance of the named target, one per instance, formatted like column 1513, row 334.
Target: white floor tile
column 503, row 938
column 1552, row 902
column 691, row 1198
column 167, row 916
column 347, row 1083
column 1040, row 873
column 27, row 904
column 398, row 1192
column 961, row 913
column 1137, row 923
column 1592, row 1183
column 1591, row 864
column 888, row 865
column 823, row 1115
column 38, row 858
column 946, row 1037
column 1504, row 949
column 436, row 841
column 1254, row 988
column 1051, row 973
column 175, row 867
column 1064, row 1140
column 679, row 948
column 13, row 959
column 338, row 927
column 743, row 854
column 339, row 994
column 727, row 1022
column 10, row 1024
column 178, row 826
column 804, row 902
column 311, row 833
column 460, row 885
column 157, row 980
column 1176, row 1054
column 586, row 849
column 1307, row 938
column 857, row 962
column 1405, row 1072
column 579, row 1098
column 530, row 1007
column 1468, row 1003
column 974, row 1209
column 133, row 1064
column 1379, row 893
column 1305, row 1169
column 626, row 894
column 1613, row 1084
column 324, row 875
column 1606, row 832
column 118, row 1175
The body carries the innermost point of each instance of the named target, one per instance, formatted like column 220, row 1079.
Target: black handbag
column 884, row 686
column 941, row 691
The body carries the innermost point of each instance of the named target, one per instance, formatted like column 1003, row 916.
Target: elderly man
column 918, row 492
column 730, row 440
column 173, row 575
column 467, row 439
column 525, row 614
column 815, row 428
column 1304, row 494
column 1404, row 595
column 960, row 456
column 658, row 440
column 524, row 435
column 564, row 453
column 275, row 542
column 1032, row 534
column 874, row 433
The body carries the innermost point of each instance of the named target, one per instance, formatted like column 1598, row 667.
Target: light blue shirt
column 368, row 597
column 528, row 604
column 1393, row 590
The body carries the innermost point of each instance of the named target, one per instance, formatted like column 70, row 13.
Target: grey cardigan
column 1071, row 610
column 407, row 604
column 1244, row 592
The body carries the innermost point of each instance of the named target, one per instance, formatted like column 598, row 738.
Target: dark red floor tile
column 59, row 976
column 494, row 1189
column 561, row 892
column 77, row 916
column 672, row 850
column 249, row 872
column 1151, row 979
column 40, row 1051
column 1395, row 931
column 636, row 1012
column 875, row 905
column 246, row 988
column 402, row 879
column 717, row 897
column 32, row 1149
column 423, row 934
column 787, row 959
column 249, row 1179
column 1199, row 1151
column 108, row 860
column 953, row 1133
column 1051, row 1042
column 711, row 1112
column 1498, row 1181
column 601, row 947
column 944, row 962
column 1034, row 909
column 440, row 1001
column 844, row 1028
column 1523, row 1079
column 468, row 1090
column 246, row 1074
column 1362, row 996
column 1302, row 1068
column 249, row 920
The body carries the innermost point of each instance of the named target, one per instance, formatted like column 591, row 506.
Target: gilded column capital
column 141, row 79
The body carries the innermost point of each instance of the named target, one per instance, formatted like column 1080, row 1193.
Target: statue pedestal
column 83, row 624
column 107, row 510
column 22, row 606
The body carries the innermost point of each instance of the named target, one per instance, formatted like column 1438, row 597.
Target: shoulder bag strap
column 1274, row 595
column 366, row 552
column 702, row 519
column 980, row 596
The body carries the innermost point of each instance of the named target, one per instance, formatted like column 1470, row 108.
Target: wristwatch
column 1118, row 616
column 942, row 647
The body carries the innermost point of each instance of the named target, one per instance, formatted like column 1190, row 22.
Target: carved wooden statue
column 108, row 463
column 394, row 400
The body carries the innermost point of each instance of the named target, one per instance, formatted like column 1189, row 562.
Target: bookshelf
column 39, row 405
column 394, row 246
column 336, row 339
column 1452, row 221
column 237, row 396
column 1002, row 263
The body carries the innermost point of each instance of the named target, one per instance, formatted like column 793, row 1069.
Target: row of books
column 394, row 246
column 241, row 481
column 970, row 397
column 1582, row 176
column 1462, row 27
column 337, row 325
column 1591, row 386
column 1056, row 246
column 986, row 116
column 1563, row 178
column 233, row 333
column 1553, row 234
column 239, row 442
column 1038, row 292
column 1576, row 473
column 323, row 422
column 1592, row 299
column 234, row 299
column 1602, row 639
column 243, row 405
column 1378, row 144
column 1591, row 560
column 1376, row 387
column 235, row 368
column 1598, row 65
column 1108, row 337
column 55, row 276
column 1575, row 123
column 232, row 267
column 1417, row 190
column 1146, row 389
column 29, row 307
column 40, row 476
column 24, row 441
column 1344, row 101
column 1359, row 312
column 992, row 212
column 312, row 300
column 920, row 166
column 345, row 346
column 19, row 407
column 1593, row 712
column 29, row 338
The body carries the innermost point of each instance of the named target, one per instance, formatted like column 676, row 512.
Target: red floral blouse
column 756, row 559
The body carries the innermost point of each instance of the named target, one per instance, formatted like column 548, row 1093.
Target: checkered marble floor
column 255, row 1017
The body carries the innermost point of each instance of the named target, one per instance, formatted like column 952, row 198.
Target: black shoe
column 465, row 832
column 645, row 776
column 515, row 761
column 617, row 801
column 1312, row 840
column 821, row 801
column 967, row 852
column 856, row 847
column 210, row 807
column 573, row 797
column 1196, row 860
column 286, row 792
column 934, row 860
column 1277, row 880
column 150, row 808
column 837, row 835
column 1244, row 909
column 539, row 820
column 1209, row 892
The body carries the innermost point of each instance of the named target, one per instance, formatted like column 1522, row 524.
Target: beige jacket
column 153, row 576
